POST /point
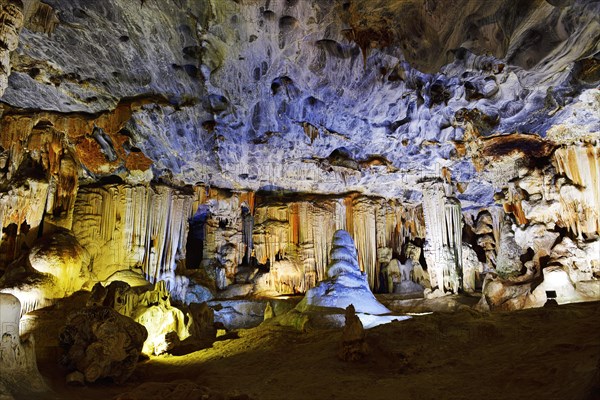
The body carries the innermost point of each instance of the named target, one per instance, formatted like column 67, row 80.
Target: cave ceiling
column 321, row 96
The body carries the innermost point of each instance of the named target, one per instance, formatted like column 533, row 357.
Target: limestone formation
column 346, row 285
column 214, row 148
column 19, row 373
column 472, row 269
column 124, row 226
column 443, row 248
column 167, row 326
column 11, row 21
column 353, row 346
column 101, row 343
column 61, row 256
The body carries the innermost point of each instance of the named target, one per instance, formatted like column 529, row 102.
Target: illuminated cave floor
column 549, row 353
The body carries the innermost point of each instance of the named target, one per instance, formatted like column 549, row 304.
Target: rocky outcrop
column 101, row 343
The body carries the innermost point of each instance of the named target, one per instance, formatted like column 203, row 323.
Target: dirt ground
column 547, row 353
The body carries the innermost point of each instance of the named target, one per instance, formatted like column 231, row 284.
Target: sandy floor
column 550, row 353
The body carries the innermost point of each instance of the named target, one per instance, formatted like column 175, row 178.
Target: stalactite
column 513, row 204
column 349, row 206
column 247, row 229
column 340, row 214
column 40, row 17
column 21, row 206
column 365, row 237
column 294, row 216
column 323, row 229
column 126, row 226
column 273, row 232
column 380, row 228
column 453, row 241
column 580, row 202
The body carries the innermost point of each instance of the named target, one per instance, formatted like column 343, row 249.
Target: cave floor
column 547, row 353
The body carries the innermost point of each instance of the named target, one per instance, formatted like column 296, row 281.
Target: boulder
column 101, row 343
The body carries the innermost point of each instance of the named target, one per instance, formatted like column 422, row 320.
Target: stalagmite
column 353, row 346
column 346, row 285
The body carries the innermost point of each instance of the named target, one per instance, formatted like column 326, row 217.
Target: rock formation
column 353, row 346
column 346, row 286
column 220, row 152
column 167, row 325
column 19, row 373
column 101, row 343
column 11, row 21
column 179, row 157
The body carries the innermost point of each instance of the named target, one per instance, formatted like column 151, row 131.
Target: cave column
column 443, row 244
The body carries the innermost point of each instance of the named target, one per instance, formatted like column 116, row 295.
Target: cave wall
column 225, row 134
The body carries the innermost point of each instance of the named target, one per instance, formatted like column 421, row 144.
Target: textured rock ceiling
column 309, row 95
